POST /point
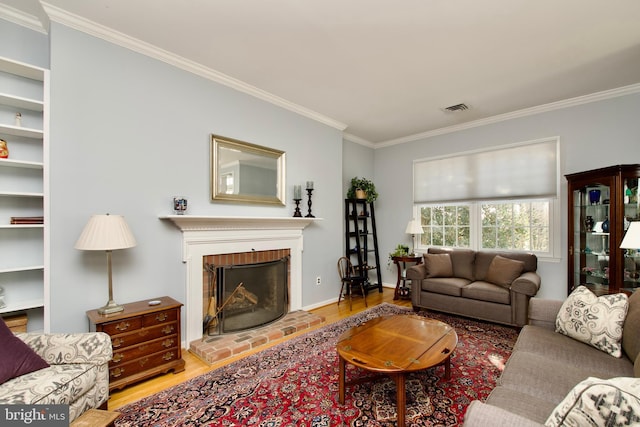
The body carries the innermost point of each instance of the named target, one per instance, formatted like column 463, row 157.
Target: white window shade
column 514, row 172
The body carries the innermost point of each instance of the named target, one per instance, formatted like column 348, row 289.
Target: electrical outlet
column 318, row 281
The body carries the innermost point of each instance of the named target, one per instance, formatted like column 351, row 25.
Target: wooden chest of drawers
column 145, row 339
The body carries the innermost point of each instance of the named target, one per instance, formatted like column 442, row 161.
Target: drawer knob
column 117, row 357
column 161, row 317
column 167, row 329
column 143, row 361
column 123, row 326
column 117, row 342
column 168, row 355
column 167, row 343
column 115, row 373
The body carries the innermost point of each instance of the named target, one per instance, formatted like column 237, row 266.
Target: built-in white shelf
column 22, row 131
column 19, row 269
column 20, row 194
column 21, row 69
column 23, row 305
column 21, row 164
column 24, row 89
column 20, row 102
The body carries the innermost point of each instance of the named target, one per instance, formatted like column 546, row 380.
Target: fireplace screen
column 246, row 296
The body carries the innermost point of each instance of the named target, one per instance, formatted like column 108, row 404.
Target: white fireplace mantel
column 195, row 222
column 212, row 235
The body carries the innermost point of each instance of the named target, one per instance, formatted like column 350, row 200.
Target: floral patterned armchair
column 78, row 374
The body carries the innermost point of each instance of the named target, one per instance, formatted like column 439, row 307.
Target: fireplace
column 206, row 235
column 246, row 294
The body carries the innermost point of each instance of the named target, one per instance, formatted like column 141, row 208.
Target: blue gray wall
column 127, row 133
column 591, row 135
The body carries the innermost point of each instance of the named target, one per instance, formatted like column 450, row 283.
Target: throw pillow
column 438, row 265
column 593, row 320
column 16, row 357
column 502, row 271
column 596, row 402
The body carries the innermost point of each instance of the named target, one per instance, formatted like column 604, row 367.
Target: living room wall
column 127, row 133
column 592, row 135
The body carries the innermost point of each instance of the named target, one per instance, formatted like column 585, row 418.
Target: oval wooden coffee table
column 394, row 346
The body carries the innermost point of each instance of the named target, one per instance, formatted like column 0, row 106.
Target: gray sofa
column 545, row 366
column 468, row 292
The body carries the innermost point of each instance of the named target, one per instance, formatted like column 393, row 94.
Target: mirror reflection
column 246, row 172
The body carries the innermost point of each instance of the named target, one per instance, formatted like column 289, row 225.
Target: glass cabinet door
column 592, row 245
column 631, row 256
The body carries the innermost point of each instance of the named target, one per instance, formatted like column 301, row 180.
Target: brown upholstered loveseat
column 476, row 285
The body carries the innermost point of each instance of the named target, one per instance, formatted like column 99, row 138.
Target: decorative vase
column 4, row 150
column 589, row 223
column 605, row 225
column 594, row 197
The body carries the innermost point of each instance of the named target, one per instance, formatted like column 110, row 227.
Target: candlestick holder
column 309, row 191
column 297, row 213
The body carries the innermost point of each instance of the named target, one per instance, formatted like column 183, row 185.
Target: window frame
column 475, row 225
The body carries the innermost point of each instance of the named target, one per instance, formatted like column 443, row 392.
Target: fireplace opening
column 245, row 296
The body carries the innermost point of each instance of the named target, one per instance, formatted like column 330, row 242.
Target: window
column 500, row 198
column 520, row 226
column 523, row 225
column 445, row 226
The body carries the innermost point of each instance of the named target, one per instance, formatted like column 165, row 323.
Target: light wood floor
column 195, row 366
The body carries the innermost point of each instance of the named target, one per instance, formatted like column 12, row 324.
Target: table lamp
column 413, row 228
column 106, row 233
column 631, row 239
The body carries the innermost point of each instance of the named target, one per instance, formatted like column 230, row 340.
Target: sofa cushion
column 503, row 271
column 438, row 265
column 484, row 258
column 16, row 357
column 551, row 345
column 531, row 407
column 57, row 384
column 595, row 402
column 461, row 260
column 445, row 285
column 485, row 291
column 596, row 321
column 631, row 329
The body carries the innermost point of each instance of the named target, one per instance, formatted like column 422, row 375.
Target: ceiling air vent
column 457, row 107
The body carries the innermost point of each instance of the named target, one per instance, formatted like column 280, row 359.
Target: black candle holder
column 297, row 213
column 309, row 191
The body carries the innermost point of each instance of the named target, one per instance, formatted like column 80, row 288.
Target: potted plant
column 364, row 185
column 400, row 250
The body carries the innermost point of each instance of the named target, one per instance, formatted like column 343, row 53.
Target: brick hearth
column 219, row 347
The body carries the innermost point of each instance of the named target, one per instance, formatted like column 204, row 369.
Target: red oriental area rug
column 295, row 383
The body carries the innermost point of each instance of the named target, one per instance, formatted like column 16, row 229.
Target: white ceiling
column 386, row 69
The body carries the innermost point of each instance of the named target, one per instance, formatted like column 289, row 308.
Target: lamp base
column 110, row 308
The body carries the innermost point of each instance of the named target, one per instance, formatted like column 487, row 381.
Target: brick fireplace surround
column 208, row 235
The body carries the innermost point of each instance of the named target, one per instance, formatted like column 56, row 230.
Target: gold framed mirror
column 245, row 172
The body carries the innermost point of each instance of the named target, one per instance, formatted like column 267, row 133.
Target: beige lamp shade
column 414, row 227
column 105, row 233
column 631, row 240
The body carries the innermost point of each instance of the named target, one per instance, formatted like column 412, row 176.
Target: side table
column 145, row 337
column 401, row 264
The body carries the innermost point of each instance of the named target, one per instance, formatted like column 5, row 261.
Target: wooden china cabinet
column 602, row 202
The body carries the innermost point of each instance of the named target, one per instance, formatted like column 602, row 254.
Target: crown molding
column 21, row 18
column 356, row 139
column 79, row 23
column 571, row 102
